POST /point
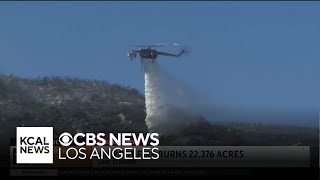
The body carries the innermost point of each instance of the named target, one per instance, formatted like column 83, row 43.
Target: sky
column 244, row 54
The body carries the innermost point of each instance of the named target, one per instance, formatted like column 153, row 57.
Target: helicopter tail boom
column 173, row 55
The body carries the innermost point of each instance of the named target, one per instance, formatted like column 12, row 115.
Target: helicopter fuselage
column 148, row 53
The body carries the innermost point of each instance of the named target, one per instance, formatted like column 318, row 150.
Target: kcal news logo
column 34, row 145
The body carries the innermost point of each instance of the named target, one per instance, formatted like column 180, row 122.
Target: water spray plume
column 169, row 105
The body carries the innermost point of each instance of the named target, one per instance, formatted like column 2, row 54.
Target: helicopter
column 148, row 51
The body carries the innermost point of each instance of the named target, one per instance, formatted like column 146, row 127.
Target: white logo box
column 35, row 132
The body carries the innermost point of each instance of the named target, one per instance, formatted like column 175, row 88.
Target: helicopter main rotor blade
column 164, row 44
column 139, row 46
column 157, row 45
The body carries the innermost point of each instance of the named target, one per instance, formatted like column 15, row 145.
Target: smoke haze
column 171, row 105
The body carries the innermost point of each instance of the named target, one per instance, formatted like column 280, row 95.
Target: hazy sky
column 244, row 54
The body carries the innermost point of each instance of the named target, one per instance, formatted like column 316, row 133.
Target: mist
column 171, row 105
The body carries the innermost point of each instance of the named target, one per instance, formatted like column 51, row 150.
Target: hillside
column 70, row 104
column 74, row 105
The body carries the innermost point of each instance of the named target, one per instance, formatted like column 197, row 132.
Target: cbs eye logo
column 65, row 139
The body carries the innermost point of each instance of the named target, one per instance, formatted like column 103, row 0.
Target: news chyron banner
column 36, row 152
